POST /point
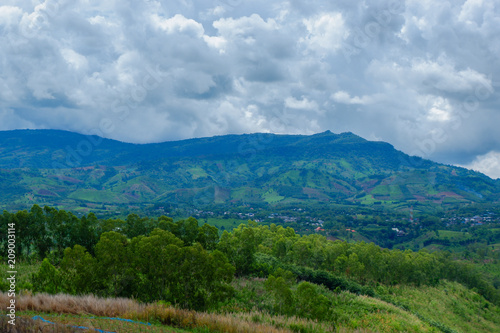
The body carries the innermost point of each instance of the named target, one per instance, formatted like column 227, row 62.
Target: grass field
column 92, row 323
column 455, row 236
column 447, row 307
column 451, row 304
column 271, row 196
column 24, row 272
column 93, row 195
column 228, row 224
column 76, row 310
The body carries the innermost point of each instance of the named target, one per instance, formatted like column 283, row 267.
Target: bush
column 47, row 279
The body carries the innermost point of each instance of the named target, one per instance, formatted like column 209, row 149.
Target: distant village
column 317, row 224
column 477, row 220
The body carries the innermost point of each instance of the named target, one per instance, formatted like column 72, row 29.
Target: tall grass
column 451, row 304
column 167, row 315
column 60, row 303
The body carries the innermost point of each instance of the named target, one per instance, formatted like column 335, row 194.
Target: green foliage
column 347, row 266
column 47, row 279
column 85, row 232
column 283, row 297
column 310, row 303
column 189, row 266
column 240, row 246
column 154, row 267
column 77, row 271
column 251, row 249
column 287, row 276
column 155, row 257
column 114, row 272
column 208, row 236
column 186, row 275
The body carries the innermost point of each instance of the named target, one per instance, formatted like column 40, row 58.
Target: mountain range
column 75, row 171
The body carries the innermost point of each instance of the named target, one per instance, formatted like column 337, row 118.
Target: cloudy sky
column 423, row 75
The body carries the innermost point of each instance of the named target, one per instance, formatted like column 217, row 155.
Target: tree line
column 191, row 266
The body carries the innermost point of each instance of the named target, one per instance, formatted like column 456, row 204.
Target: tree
column 201, row 279
column 157, row 259
column 186, row 275
column 47, row 279
column 23, row 221
column 188, row 230
column 135, row 226
column 117, row 225
column 42, row 241
column 279, row 287
column 167, row 223
column 302, row 252
column 354, row 266
column 77, row 271
column 85, row 232
column 114, row 272
column 208, row 236
column 310, row 303
column 220, row 277
column 240, row 246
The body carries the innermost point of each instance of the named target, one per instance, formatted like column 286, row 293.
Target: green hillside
column 256, row 278
column 72, row 171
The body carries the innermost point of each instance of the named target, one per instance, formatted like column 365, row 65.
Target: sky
column 422, row 75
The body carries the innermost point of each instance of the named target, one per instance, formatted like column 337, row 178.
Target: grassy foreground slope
column 362, row 314
column 451, row 304
column 30, row 321
column 448, row 307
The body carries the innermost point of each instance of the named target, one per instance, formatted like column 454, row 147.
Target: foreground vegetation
column 407, row 309
column 267, row 277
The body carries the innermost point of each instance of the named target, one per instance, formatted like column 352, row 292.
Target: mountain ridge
column 83, row 144
column 70, row 169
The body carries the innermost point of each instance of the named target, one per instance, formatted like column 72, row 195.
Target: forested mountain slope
column 71, row 170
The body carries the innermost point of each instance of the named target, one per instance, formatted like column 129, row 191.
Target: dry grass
column 76, row 323
column 244, row 322
column 104, row 307
column 27, row 325
column 130, row 309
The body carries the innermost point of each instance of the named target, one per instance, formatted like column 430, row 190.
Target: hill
column 71, row 171
column 255, row 278
column 457, row 309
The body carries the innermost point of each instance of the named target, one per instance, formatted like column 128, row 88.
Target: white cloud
column 179, row 24
column 216, row 42
column 439, row 109
column 75, row 60
column 10, row 15
column 243, row 27
column 344, row 98
column 304, row 103
column 440, row 74
column 216, row 11
column 489, row 164
column 472, row 12
column 444, row 76
column 325, row 32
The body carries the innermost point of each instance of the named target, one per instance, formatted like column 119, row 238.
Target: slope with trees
column 191, row 267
